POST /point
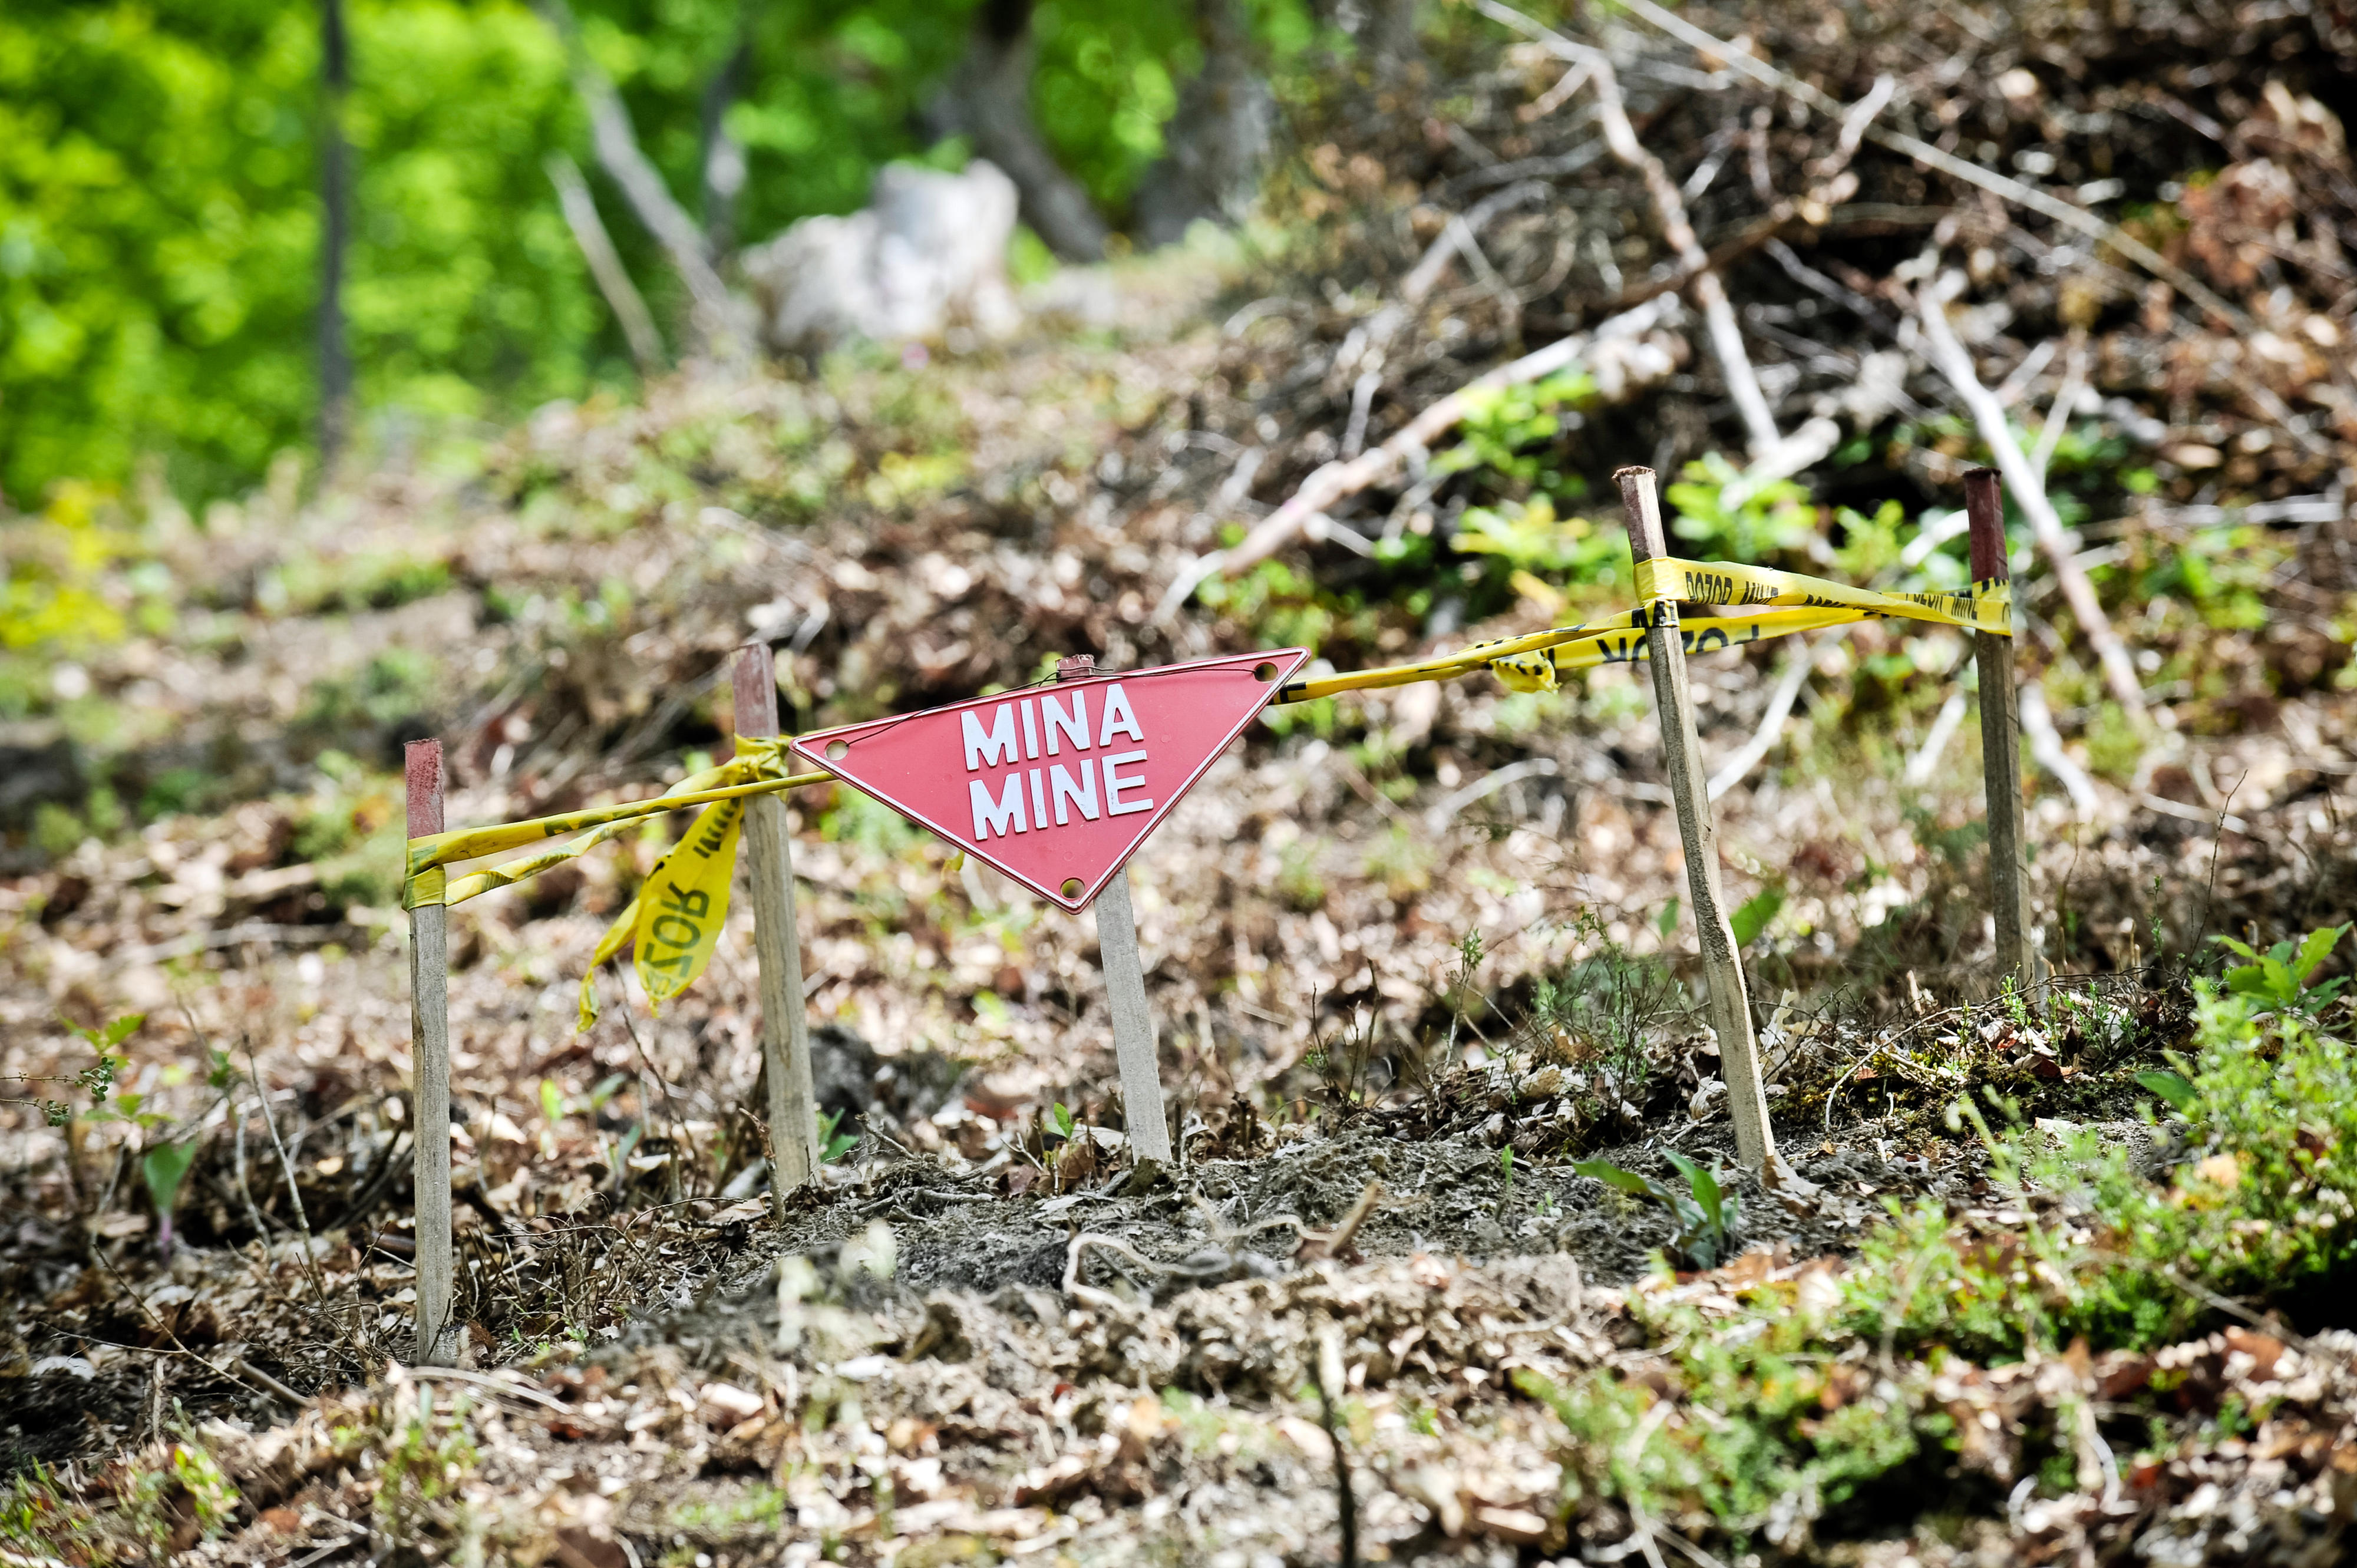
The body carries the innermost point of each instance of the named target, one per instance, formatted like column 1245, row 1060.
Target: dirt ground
column 1411, row 956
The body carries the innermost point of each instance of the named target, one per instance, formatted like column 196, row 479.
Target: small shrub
column 1598, row 1012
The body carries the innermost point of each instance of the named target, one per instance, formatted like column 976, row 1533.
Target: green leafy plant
column 832, row 1143
column 1511, row 431
column 1707, row 1213
column 2279, row 977
column 1735, row 522
column 1598, row 1015
column 1751, row 916
column 427, row 1459
column 1528, row 536
column 2173, row 1087
column 1061, row 1119
column 164, row 1167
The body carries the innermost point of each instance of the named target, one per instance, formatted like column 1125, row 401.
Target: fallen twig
column 1332, row 1243
column 487, row 1380
column 2058, row 416
column 1670, row 210
column 2028, row 492
column 1971, row 172
column 1926, row 760
column 1795, row 675
column 1331, row 1384
column 255, row 1375
column 2046, row 748
column 293, row 1192
column 1445, row 810
column 1337, row 481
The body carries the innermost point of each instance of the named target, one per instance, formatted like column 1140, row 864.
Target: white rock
column 927, row 253
column 726, row 1404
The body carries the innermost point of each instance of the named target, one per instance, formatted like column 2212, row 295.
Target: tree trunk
column 724, row 158
column 1387, row 36
column 1218, row 137
column 335, row 200
column 988, row 99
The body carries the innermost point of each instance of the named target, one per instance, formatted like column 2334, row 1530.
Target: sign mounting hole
column 1073, row 887
column 836, row 750
column 1264, row 671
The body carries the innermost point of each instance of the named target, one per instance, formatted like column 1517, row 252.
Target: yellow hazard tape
column 1984, row 607
column 1534, row 661
column 675, row 921
column 677, row 930
column 759, row 770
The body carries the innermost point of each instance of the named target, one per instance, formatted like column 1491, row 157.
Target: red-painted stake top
column 1056, row 786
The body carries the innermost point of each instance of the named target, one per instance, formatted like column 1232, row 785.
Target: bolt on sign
column 1058, row 785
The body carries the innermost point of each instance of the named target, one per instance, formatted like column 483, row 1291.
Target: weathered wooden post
column 1730, row 1000
column 777, row 945
column 429, row 1050
column 1133, row 1019
column 2001, row 744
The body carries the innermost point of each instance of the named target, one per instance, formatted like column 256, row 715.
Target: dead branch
column 2011, row 189
column 1926, row 760
column 2046, row 748
column 1670, row 210
column 716, row 313
column 613, row 279
column 2028, row 492
column 1337, row 481
column 293, row 1191
column 2058, row 417
column 1795, row 675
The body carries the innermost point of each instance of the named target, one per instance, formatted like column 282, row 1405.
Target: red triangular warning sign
column 1058, row 785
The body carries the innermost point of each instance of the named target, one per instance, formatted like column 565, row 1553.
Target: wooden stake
column 1133, row 1021
column 1730, row 1000
column 777, row 945
column 429, row 1050
column 2001, row 744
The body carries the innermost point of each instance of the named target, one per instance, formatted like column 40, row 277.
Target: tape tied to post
column 675, row 921
column 1786, row 603
column 1985, row 607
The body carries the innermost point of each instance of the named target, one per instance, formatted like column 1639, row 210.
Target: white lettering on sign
column 990, row 749
column 1120, row 719
column 1114, row 783
column 1057, row 786
column 1074, row 725
column 1082, row 794
column 1004, row 814
column 1007, row 811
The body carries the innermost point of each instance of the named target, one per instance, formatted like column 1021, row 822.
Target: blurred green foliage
column 159, row 228
column 160, row 221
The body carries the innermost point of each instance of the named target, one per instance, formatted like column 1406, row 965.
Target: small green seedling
column 1707, row 1213
column 833, row 1144
column 2278, row 977
column 164, row 1165
column 1751, row 917
column 1061, row 1119
column 2170, row 1086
